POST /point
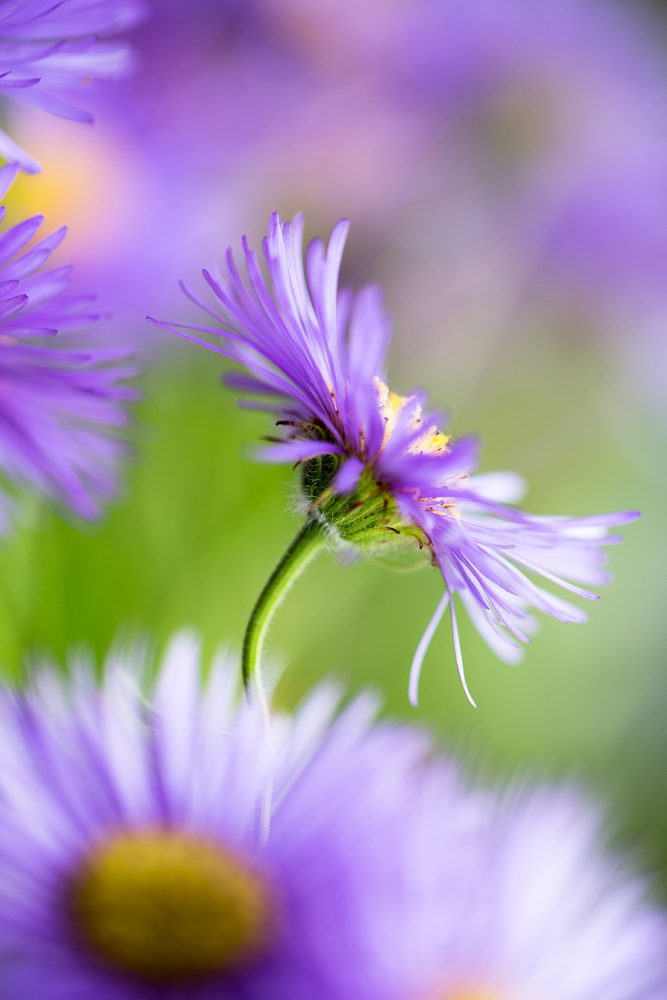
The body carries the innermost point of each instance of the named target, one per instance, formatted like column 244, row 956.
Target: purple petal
column 298, row 451
column 348, row 475
column 422, row 648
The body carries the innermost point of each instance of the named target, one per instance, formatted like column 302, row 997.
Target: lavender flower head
column 131, row 865
column 60, row 410
column 375, row 467
column 557, row 107
column 544, row 911
column 48, row 46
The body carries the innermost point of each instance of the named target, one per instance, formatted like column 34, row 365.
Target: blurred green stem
column 310, row 539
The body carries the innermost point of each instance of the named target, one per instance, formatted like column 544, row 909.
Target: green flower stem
column 310, row 539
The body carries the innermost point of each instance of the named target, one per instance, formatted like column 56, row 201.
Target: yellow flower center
column 169, row 906
column 431, row 441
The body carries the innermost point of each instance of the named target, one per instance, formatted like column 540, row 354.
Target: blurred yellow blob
column 90, row 181
column 169, row 906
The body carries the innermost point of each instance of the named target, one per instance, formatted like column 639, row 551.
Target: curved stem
column 310, row 539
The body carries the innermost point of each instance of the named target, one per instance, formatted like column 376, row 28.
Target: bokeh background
column 504, row 167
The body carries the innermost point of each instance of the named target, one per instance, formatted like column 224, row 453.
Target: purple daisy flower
column 376, row 469
column 581, row 165
column 131, row 864
column 59, row 410
column 50, row 45
column 546, row 912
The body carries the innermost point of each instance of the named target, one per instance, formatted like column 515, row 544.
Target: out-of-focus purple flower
column 546, row 912
column 59, row 409
column 556, row 110
column 131, row 862
column 375, row 466
column 297, row 117
column 47, row 47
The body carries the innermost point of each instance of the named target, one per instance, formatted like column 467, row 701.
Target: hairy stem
column 310, row 539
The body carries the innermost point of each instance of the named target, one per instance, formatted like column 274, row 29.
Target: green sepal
column 367, row 517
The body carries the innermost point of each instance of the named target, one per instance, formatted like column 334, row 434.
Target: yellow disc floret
column 431, row 441
column 169, row 906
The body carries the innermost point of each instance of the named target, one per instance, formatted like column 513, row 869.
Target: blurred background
column 504, row 167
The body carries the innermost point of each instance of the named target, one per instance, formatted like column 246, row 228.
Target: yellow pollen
column 431, row 441
column 168, row 906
